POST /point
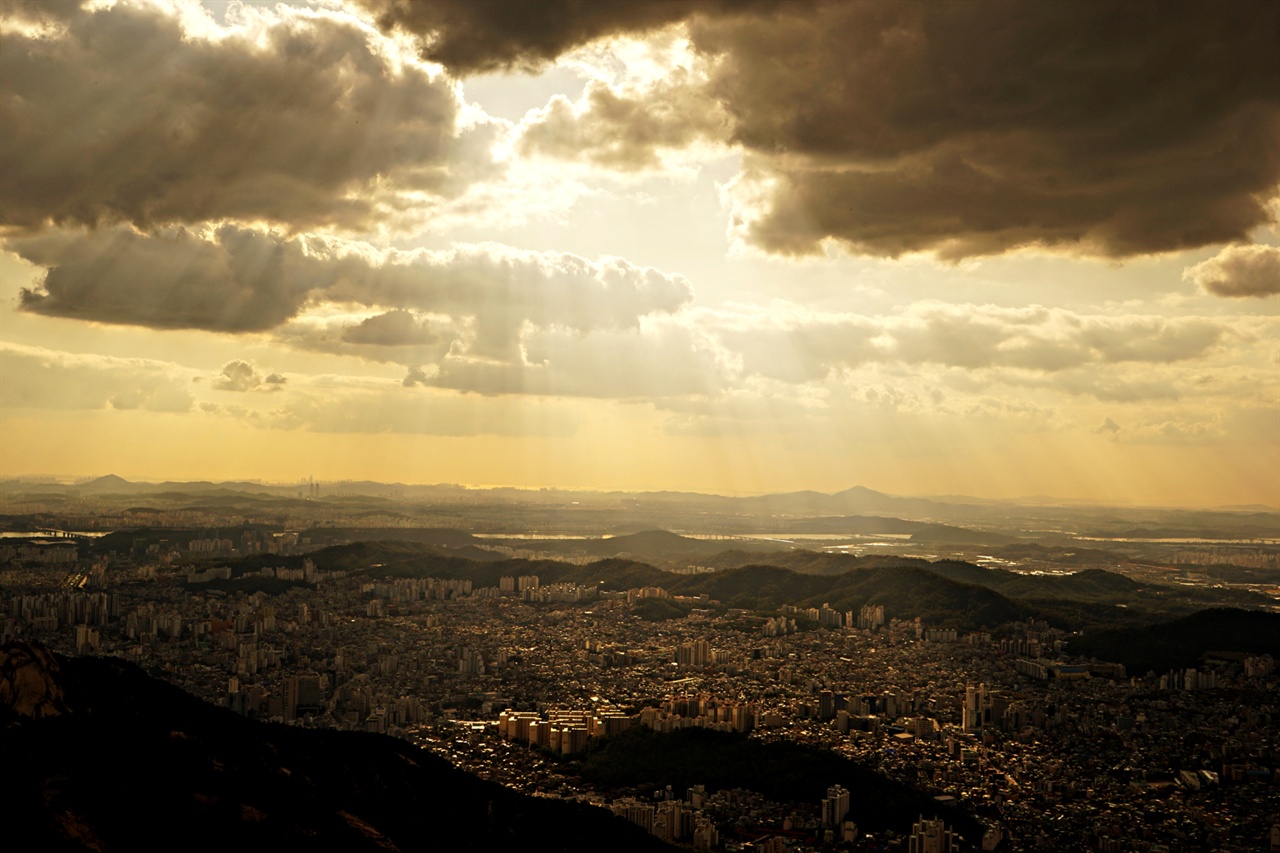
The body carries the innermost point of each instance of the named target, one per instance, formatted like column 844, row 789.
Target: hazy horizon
column 1023, row 499
column 933, row 249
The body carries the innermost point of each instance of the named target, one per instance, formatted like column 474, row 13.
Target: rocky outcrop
column 30, row 683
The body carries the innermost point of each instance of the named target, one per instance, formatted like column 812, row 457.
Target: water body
column 1181, row 541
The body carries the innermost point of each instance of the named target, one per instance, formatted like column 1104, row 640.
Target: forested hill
column 1182, row 642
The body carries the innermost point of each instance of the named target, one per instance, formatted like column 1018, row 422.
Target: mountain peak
column 107, row 483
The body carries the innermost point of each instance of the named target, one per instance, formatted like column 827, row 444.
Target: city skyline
column 988, row 249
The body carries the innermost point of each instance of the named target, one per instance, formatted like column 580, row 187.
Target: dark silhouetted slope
column 780, row 770
column 132, row 763
column 905, row 590
column 1181, row 643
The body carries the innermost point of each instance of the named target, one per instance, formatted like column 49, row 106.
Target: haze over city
column 751, row 426
column 985, row 249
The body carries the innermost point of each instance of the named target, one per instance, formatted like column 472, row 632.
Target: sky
column 999, row 249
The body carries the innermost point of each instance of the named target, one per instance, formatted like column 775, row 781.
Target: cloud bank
column 1109, row 129
column 128, row 115
column 236, row 279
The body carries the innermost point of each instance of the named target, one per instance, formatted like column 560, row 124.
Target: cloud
column 295, row 116
column 657, row 359
column 1108, row 427
column 415, row 376
column 394, row 328
column 626, row 130
column 472, row 36
column 229, row 279
column 40, row 378
column 736, row 353
column 1239, row 271
column 412, row 340
column 1181, row 431
column 1107, row 389
column 1154, row 340
column 801, row 346
column 242, row 376
column 387, row 408
column 237, row 279
column 973, row 128
column 964, row 129
column 804, row 350
column 1110, row 129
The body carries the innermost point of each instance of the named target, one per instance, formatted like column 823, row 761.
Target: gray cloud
column 242, row 376
column 1239, row 271
column 972, row 128
column 411, row 340
column 503, row 289
column 234, row 279
column 124, row 116
column 394, row 328
column 229, row 280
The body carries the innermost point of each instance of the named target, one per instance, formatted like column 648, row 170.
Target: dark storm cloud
column 1114, row 129
column 972, row 128
column 472, row 36
column 121, row 115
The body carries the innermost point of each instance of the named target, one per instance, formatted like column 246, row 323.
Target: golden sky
column 997, row 249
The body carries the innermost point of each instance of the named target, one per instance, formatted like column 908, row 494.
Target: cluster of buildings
column 1050, row 753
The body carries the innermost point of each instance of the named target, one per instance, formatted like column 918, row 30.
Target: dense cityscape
column 640, row 425
column 1011, row 741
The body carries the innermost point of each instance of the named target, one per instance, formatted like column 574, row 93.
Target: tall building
column 835, row 806
column 301, row 696
column 826, row 705
column 870, row 616
column 697, row 653
column 974, row 702
column 931, row 836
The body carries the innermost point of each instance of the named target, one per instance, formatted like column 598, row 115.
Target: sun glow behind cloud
column 302, row 247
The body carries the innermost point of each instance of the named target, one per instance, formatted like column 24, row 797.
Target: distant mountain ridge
column 938, row 524
column 852, row 501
